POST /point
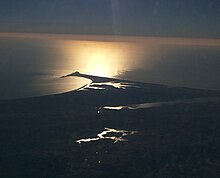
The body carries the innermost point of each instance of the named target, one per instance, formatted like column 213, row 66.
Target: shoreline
column 104, row 83
column 75, row 133
column 97, row 80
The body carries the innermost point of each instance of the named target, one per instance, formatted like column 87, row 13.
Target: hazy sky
column 182, row 18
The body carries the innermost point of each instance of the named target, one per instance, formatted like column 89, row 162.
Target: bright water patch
column 158, row 104
column 105, row 134
column 106, row 86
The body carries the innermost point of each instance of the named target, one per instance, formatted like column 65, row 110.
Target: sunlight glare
column 98, row 58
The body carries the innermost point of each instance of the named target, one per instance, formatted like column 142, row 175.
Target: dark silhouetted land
column 38, row 136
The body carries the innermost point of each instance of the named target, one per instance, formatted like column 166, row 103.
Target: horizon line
column 114, row 38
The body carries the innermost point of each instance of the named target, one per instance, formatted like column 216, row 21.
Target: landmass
column 150, row 130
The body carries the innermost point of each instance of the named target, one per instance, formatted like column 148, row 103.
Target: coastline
column 60, row 135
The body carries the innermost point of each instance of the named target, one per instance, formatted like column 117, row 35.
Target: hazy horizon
column 190, row 18
column 117, row 38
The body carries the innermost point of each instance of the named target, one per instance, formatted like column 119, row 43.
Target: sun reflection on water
column 106, row 59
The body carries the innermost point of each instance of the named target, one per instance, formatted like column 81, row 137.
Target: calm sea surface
column 33, row 67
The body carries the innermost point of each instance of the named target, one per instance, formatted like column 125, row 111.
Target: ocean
column 33, row 66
